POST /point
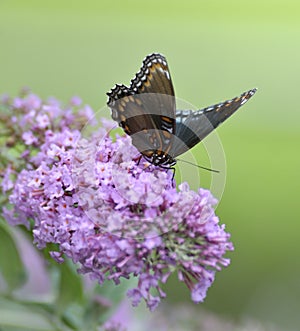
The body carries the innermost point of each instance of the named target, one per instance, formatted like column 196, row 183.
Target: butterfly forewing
column 146, row 110
column 154, row 82
column 194, row 126
column 153, row 77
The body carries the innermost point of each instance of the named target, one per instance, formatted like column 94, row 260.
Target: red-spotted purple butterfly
column 147, row 112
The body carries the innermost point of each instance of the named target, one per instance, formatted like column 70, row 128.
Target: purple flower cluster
column 112, row 213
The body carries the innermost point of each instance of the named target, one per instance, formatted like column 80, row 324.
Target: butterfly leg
column 174, row 171
column 138, row 159
column 169, row 168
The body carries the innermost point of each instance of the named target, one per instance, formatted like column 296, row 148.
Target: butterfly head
column 159, row 158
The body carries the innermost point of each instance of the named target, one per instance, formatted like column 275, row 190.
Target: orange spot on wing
column 127, row 130
column 138, row 101
column 147, row 82
column 166, row 134
column 167, row 119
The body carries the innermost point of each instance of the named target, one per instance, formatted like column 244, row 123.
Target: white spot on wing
column 244, row 101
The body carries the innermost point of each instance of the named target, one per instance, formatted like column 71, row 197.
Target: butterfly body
column 147, row 112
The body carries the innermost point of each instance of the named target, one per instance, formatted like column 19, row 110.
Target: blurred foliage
column 216, row 50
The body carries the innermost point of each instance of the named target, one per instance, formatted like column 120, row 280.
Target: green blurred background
column 216, row 49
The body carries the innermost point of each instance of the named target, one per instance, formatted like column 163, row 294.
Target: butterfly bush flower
column 115, row 215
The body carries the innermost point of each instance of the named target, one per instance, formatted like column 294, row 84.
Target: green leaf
column 70, row 289
column 11, row 266
column 114, row 294
column 14, row 316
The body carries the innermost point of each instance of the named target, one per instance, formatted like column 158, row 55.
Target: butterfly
column 146, row 110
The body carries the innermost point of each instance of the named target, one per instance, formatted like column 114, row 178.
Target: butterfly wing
column 146, row 110
column 153, row 77
column 194, row 126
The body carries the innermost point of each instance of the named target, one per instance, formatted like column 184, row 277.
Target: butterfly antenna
column 198, row 166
